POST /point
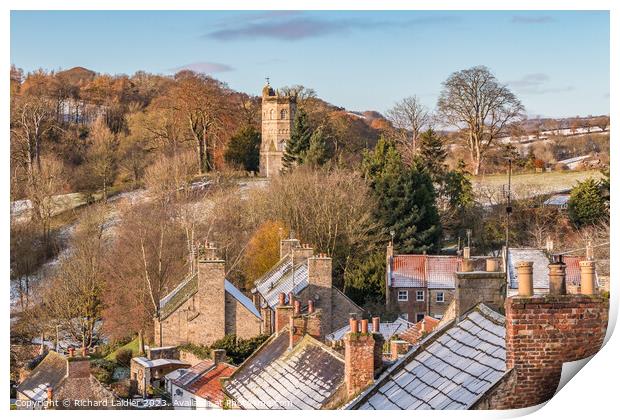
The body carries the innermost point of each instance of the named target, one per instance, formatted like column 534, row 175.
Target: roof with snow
column 541, row 267
column 450, row 369
column 558, row 200
column 282, row 278
column 148, row 363
column 432, row 271
column 49, row 372
column 188, row 287
column 387, row 329
column 274, row 377
column 203, row 380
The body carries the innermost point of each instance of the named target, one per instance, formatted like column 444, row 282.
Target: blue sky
column 556, row 62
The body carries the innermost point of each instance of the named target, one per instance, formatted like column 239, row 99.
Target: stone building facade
column 205, row 307
column 278, row 113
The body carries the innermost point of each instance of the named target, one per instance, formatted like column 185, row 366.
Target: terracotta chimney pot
column 282, row 299
column 588, row 285
column 525, row 278
column 364, row 326
column 297, row 307
column 376, row 324
column 310, row 306
column 354, row 325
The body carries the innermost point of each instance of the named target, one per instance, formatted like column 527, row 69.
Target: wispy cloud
column 293, row 27
column 204, row 67
column 532, row 19
column 536, row 83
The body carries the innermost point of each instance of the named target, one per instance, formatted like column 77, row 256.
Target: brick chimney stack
column 283, row 313
column 362, row 354
column 78, row 367
column 543, row 332
column 302, row 324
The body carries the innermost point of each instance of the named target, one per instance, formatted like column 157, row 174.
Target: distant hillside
column 77, row 75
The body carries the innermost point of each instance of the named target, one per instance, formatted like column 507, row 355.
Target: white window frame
column 406, row 298
column 417, row 296
column 443, row 297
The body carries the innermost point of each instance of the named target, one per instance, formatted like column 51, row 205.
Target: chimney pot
column 588, row 285
column 297, row 306
column 467, row 265
column 71, row 352
column 354, row 325
column 282, row 299
column 525, row 278
column 50, row 393
column 376, row 324
column 492, row 265
column 557, row 277
column 466, row 253
column 290, row 298
column 364, row 326
column 84, row 351
column 310, row 306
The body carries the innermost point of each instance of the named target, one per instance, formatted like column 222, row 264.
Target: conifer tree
column 433, row 153
column 318, row 152
column 299, row 142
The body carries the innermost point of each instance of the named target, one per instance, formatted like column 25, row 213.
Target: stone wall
column 320, row 287
column 437, row 309
column 239, row 320
column 477, row 287
column 342, row 308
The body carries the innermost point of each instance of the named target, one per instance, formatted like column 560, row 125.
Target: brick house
column 303, row 276
column 205, row 307
column 420, row 285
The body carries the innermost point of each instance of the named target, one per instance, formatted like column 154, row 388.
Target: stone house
column 278, row 113
column 150, row 371
column 301, row 275
column 61, row 382
column 205, row 307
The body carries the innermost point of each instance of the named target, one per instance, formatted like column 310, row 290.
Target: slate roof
column 49, row 372
column 157, row 362
column 188, row 287
column 559, row 200
column 432, row 271
column 450, row 369
column 387, row 329
column 275, row 377
column 280, row 280
column 541, row 267
column 86, row 389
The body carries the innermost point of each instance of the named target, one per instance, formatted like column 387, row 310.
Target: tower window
column 271, row 114
column 283, row 114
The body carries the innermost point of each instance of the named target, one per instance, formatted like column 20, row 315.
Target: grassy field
column 527, row 185
column 132, row 345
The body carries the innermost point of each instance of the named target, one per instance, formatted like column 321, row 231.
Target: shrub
column 587, row 205
column 123, row 357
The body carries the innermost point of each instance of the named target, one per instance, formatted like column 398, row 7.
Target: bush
column 123, row 357
column 101, row 375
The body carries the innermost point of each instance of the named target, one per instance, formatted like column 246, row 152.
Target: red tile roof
column 418, row 330
column 432, row 271
column 208, row 385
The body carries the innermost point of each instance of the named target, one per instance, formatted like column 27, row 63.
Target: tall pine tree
column 319, row 151
column 299, row 143
column 405, row 200
column 433, row 153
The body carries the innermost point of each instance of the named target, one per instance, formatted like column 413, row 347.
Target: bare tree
column 410, row 118
column 102, row 157
column 473, row 100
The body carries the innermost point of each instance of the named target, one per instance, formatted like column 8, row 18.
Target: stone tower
column 277, row 122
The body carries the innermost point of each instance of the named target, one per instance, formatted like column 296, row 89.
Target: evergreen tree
column 405, row 199
column 318, row 152
column 457, row 196
column 365, row 281
column 586, row 205
column 433, row 153
column 244, row 149
column 299, row 143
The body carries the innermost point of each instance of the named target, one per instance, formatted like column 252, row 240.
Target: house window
column 403, row 296
column 283, row 114
column 419, row 316
column 419, row 296
column 440, row 298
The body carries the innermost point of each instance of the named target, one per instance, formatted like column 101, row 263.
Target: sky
column 557, row 62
